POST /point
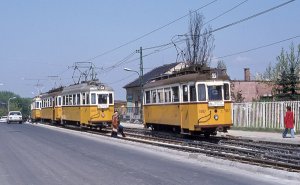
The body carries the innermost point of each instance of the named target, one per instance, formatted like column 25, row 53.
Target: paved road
column 33, row 155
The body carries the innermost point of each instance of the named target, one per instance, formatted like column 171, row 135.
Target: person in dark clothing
column 116, row 126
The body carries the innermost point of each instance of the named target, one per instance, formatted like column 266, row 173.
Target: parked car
column 15, row 116
column 3, row 119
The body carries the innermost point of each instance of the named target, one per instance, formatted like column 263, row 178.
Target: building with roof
column 251, row 90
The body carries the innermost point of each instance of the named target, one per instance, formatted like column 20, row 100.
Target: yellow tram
column 88, row 104
column 189, row 102
column 51, row 106
column 36, row 109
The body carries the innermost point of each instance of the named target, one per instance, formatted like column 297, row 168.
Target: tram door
column 53, row 109
column 184, row 108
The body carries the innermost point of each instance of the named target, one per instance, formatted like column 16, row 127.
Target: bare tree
column 199, row 41
column 221, row 65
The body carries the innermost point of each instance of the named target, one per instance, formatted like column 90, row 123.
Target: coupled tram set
column 192, row 102
column 87, row 104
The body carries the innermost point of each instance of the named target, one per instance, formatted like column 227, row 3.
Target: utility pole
column 141, row 82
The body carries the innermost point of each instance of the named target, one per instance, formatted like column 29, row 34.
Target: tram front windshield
column 215, row 92
column 102, row 99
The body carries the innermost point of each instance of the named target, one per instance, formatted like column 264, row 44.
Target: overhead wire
column 142, row 36
column 126, row 61
column 236, row 22
column 252, row 16
column 231, row 24
column 256, row 48
column 163, row 45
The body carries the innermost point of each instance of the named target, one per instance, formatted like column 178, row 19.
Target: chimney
column 247, row 74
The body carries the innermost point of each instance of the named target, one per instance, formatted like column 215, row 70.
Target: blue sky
column 42, row 38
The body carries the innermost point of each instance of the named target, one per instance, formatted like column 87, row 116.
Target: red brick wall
column 251, row 90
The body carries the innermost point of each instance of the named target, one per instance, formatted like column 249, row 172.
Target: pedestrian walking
column 116, row 126
column 288, row 122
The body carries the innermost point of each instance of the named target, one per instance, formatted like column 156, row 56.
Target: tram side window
column 153, row 92
column 74, row 99
column 160, row 95
column 64, row 100
column 87, row 98
column 201, row 92
column 167, row 95
column 70, row 100
column 111, row 98
column 83, row 98
column 78, row 99
column 102, row 98
column 93, row 98
column 185, row 93
column 175, row 94
column 67, row 100
column 59, row 100
column 192, row 93
column 226, row 92
column 147, row 94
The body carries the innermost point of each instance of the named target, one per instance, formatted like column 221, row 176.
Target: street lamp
column 8, row 103
column 141, row 90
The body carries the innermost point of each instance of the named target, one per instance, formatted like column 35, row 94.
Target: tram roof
column 188, row 76
column 52, row 92
column 85, row 87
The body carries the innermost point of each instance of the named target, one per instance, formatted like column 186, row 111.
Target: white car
column 3, row 119
column 15, row 116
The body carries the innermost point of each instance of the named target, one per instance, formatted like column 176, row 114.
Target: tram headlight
column 216, row 117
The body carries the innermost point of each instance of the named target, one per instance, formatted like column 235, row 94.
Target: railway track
column 265, row 154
